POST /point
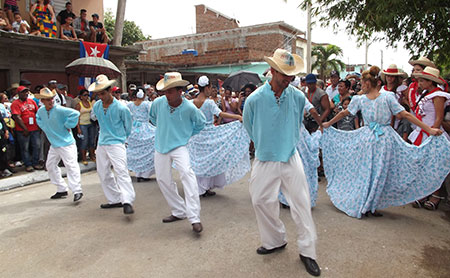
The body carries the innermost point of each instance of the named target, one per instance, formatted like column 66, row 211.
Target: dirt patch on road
column 436, row 260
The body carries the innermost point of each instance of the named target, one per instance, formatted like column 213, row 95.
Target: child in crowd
column 19, row 25
column 349, row 122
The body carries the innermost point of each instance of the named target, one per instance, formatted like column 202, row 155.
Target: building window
column 300, row 52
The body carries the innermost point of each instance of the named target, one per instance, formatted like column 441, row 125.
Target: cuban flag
column 91, row 49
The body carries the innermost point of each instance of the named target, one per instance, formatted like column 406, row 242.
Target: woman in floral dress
column 373, row 168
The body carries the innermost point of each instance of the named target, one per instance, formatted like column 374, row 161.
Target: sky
column 168, row 18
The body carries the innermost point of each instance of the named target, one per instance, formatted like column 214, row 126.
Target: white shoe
column 7, row 173
column 18, row 163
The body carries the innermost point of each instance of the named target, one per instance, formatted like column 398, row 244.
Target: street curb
column 36, row 177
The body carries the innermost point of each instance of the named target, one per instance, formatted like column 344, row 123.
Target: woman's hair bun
column 374, row 71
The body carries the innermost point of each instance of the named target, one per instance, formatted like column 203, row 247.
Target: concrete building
column 40, row 59
column 221, row 46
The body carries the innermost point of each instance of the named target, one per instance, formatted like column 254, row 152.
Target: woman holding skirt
column 373, row 168
column 219, row 154
column 141, row 142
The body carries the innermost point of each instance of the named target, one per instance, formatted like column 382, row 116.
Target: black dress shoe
column 311, row 266
column 128, row 209
column 208, row 193
column 108, row 206
column 59, row 195
column 171, row 218
column 197, row 227
column 263, row 251
column 142, row 179
column 77, row 196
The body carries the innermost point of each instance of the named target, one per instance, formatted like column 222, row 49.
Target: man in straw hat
column 115, row 122
column 273, row 116
column 57, row 121
column 176, row 120
column 418, row 66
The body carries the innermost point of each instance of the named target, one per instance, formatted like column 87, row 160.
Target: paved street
column 55, row 238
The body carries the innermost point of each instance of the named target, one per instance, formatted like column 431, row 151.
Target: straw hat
column 101, row 82
column 422, row 61
column 171, row 80
column 285, row 62
column 430, row 73
column 14, row 86
column 392, row 70
column 45, row 93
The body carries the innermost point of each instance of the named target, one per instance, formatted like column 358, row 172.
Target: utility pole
column 381, row 58
column 120, row 17
column 366, row 66
column 308, row 40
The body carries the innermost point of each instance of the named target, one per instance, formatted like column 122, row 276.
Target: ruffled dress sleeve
column 355, row 105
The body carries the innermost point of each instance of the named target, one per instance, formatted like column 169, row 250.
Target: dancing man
column 114, row 120
column 176, row 120
column 57, row 122
column 273, row 116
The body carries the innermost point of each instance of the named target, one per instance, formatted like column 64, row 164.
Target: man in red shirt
column 24, row 112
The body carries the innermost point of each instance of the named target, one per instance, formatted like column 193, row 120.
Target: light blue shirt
column 174, row 127
column 115, row 122
column 274, row 126
column 57, row 124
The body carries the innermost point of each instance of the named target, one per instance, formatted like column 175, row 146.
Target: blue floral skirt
column 365, row 173
column 220, row 150
column 141, row 148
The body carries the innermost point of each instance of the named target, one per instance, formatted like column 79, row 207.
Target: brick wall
column 208, row 20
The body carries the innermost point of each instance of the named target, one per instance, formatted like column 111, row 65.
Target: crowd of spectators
column 45, row 22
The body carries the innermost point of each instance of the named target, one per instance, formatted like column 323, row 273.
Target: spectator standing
column 98, row 31
column 11, row 8
column 59, row 99
column 64, row 14
column 4, row 21
column 318, row 98
column 57, row 121
column 332, row 90
column 349, row 122
column 24, row 112
column 245, row 93
column 86, row 128
column 4, row 136
column 81, row 25
column 229, row 103
column 43, row 15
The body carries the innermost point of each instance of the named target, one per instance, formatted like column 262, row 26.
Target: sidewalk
column 23, row 178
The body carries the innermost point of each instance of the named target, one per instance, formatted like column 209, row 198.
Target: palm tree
column 326, row 59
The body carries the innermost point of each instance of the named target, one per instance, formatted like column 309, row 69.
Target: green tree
column 131, row 32
column 422, row 25
column 327, row 59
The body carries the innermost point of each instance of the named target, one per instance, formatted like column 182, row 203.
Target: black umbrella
column 237, row 80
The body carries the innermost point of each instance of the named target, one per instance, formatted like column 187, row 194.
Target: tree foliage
column 422, row 25
column 327, row 59
column 131, row 32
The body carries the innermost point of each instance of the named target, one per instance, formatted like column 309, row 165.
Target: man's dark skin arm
column 325, row 103
column 19, row 121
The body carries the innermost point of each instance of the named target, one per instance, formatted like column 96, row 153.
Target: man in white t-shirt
column 332, row 90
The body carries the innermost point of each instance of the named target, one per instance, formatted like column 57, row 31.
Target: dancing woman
column 429, row 108
column 141, row 142
column 219, row 154
column 373, row 168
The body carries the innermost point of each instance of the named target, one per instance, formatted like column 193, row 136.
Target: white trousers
column 265, row 182
column 163, row 167
column 68, row 155
column 118, row 188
